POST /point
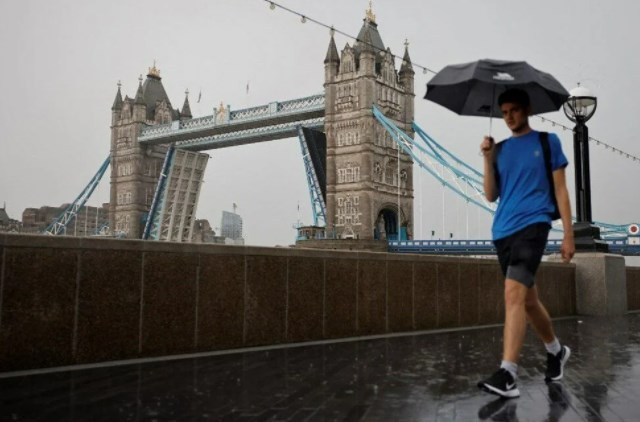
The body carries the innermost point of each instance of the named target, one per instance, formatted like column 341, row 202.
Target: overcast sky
column 61, row 61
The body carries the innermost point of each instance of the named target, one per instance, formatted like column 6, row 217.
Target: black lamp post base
column 587, row 238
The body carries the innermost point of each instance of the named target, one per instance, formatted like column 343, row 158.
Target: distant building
column 231, row 228
column 88, row 221
column 8, row 224
column 203, row 233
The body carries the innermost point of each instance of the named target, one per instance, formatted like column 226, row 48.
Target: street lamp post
column 579, row 108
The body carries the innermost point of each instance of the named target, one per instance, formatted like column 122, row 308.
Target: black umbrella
column 472, row 89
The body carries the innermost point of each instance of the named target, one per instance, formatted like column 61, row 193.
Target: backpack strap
column 546, row 152
column 497, row 147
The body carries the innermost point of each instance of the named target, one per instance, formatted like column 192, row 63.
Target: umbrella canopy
column 472, row 89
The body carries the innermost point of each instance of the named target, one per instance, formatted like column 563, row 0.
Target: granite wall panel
column 448, row 294
column 108, row 305
column 168, row 304
column 220, row 306
column 425, row 295
column 341, row 277
column 491, row 294
column 547, row 282
column 469, row 294
column 38, row 308
column 372, row 298
column 265, row 300
column 400, row 296
column 305, row 299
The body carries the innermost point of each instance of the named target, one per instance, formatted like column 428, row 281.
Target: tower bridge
column 357, row 142
column 361, row 182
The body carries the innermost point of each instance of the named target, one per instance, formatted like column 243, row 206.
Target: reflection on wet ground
column 427, row 377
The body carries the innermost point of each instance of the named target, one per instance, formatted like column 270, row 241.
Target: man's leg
column 515, row 323
column 503, row 381
column 557, row 355
column 538, row 316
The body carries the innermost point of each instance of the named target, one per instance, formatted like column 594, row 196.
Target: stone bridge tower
column 135, row 168
column 364, row 174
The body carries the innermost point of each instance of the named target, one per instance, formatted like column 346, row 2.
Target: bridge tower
column 135, row 168
column 364, row 174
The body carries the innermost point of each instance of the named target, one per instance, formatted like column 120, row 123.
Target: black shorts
column 520, row 253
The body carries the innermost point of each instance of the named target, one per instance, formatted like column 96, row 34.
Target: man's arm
column 488, row 148
column 568, row 247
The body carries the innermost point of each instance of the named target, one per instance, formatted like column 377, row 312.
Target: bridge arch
column 386, row 222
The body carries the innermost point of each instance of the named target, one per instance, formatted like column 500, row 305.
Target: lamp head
column 581, row 105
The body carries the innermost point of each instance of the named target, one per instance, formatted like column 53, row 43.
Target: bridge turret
column 406, row 79
column 135, row 168
column 367, row 60
column 362, row 159
column 116, row 108
column 139, row 106
column 406, row 70
column 331, row 62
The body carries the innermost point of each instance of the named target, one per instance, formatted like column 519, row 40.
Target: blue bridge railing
column 485, row 247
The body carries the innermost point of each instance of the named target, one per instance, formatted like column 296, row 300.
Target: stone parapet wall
column 344, row 244
column 633, row 288
column 66, row 301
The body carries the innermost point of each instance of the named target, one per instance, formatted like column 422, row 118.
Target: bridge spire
column 406, row 67
column 117, row 103
column 139, row 94
column 332, row 52
column 186, row 108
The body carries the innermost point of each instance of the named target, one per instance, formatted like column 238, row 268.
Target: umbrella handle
column 493, row 141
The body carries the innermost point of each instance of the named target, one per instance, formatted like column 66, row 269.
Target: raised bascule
column 357, row 143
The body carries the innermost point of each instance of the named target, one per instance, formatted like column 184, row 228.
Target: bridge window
column 124, row 169
column 349, row 174
column 390, row 174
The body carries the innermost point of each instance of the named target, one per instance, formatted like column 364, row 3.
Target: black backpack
column 546, row 151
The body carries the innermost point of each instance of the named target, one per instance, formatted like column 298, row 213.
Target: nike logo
column 510, row 386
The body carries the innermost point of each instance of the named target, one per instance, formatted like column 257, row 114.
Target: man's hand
column 487, row 147
column 567, row 249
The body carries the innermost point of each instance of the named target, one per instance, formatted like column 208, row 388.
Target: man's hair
column 516, row 96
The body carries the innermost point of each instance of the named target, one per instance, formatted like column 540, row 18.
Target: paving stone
column 426, row 377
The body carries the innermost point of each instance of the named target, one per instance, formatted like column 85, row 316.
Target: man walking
column 527, row 173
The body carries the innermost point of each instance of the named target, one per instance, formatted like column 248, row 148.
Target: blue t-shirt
column 524, row 193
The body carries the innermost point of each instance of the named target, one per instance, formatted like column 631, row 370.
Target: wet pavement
column 426, row 377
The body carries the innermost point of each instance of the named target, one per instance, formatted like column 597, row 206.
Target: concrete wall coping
column 96, row 243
